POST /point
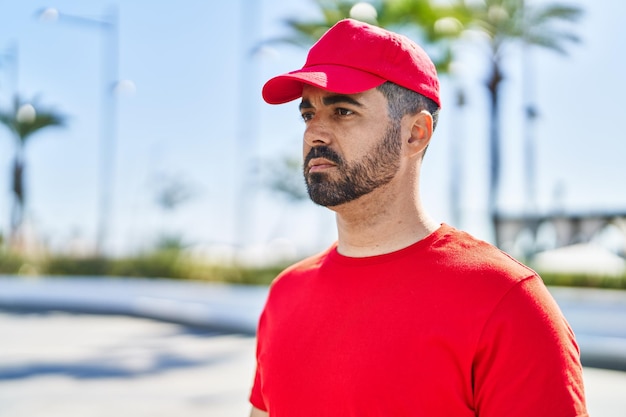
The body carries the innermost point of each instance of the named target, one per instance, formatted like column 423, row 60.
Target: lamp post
column 108, row 25
column 9, row 65
column 246, row 135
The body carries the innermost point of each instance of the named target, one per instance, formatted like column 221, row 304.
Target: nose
column 316, row 134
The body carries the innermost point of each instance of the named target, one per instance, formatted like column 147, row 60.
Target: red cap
column 352, row 57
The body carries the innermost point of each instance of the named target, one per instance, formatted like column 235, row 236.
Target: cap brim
column 338, row 79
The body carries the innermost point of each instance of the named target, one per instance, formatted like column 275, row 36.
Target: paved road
column 58, row 364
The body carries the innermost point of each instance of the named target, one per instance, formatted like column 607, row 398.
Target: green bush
column 248, row 275
column 67, row 265
column 163, row 264
column 584, row 280
column 9, row 263
column 157, row 264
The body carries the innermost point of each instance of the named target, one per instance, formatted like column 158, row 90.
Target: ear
column 421, row 132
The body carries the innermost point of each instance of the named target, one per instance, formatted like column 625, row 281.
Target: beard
column 377, row 168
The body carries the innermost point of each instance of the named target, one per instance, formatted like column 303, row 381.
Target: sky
column 189, row 111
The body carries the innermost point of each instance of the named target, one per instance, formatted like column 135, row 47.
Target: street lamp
column 8, row 64
column 108, row 24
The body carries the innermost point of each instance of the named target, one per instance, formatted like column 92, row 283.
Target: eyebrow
column 330, row 100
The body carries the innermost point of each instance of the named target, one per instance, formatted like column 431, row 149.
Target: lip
column 320, row 164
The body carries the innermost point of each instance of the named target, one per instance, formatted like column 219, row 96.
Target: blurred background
column 134, row 142
column 163, row 134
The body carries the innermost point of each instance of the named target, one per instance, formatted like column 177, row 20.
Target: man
column 402, row 316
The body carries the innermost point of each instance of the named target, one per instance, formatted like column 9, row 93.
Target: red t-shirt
column 450, row 326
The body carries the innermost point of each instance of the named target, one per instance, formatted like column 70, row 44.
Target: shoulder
column 296, row 273
column 461, row 267
column 291, row 290
column 461, row 252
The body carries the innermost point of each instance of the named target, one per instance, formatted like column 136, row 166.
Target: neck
column 381, row 222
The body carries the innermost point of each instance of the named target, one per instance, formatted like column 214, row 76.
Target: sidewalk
column 57, row 364
column 598, row 317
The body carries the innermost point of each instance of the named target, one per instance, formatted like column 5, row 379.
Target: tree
column 436, row 23
column 24, row 119
column 506, row 22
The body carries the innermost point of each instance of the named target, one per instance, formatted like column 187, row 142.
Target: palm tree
column 506, row 22
column 435, row 22
column 23, row 120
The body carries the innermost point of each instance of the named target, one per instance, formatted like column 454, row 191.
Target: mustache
column 323, row 152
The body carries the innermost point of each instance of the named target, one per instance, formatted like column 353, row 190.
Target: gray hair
column 402, row 101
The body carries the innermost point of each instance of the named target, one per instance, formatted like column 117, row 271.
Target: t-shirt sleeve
column 256, row 395
column 527, row 361
column 256, row 398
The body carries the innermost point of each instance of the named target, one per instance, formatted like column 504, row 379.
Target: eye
column 306, row 116
column 343, row 112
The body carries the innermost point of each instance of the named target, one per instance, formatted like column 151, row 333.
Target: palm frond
column 25, row 127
